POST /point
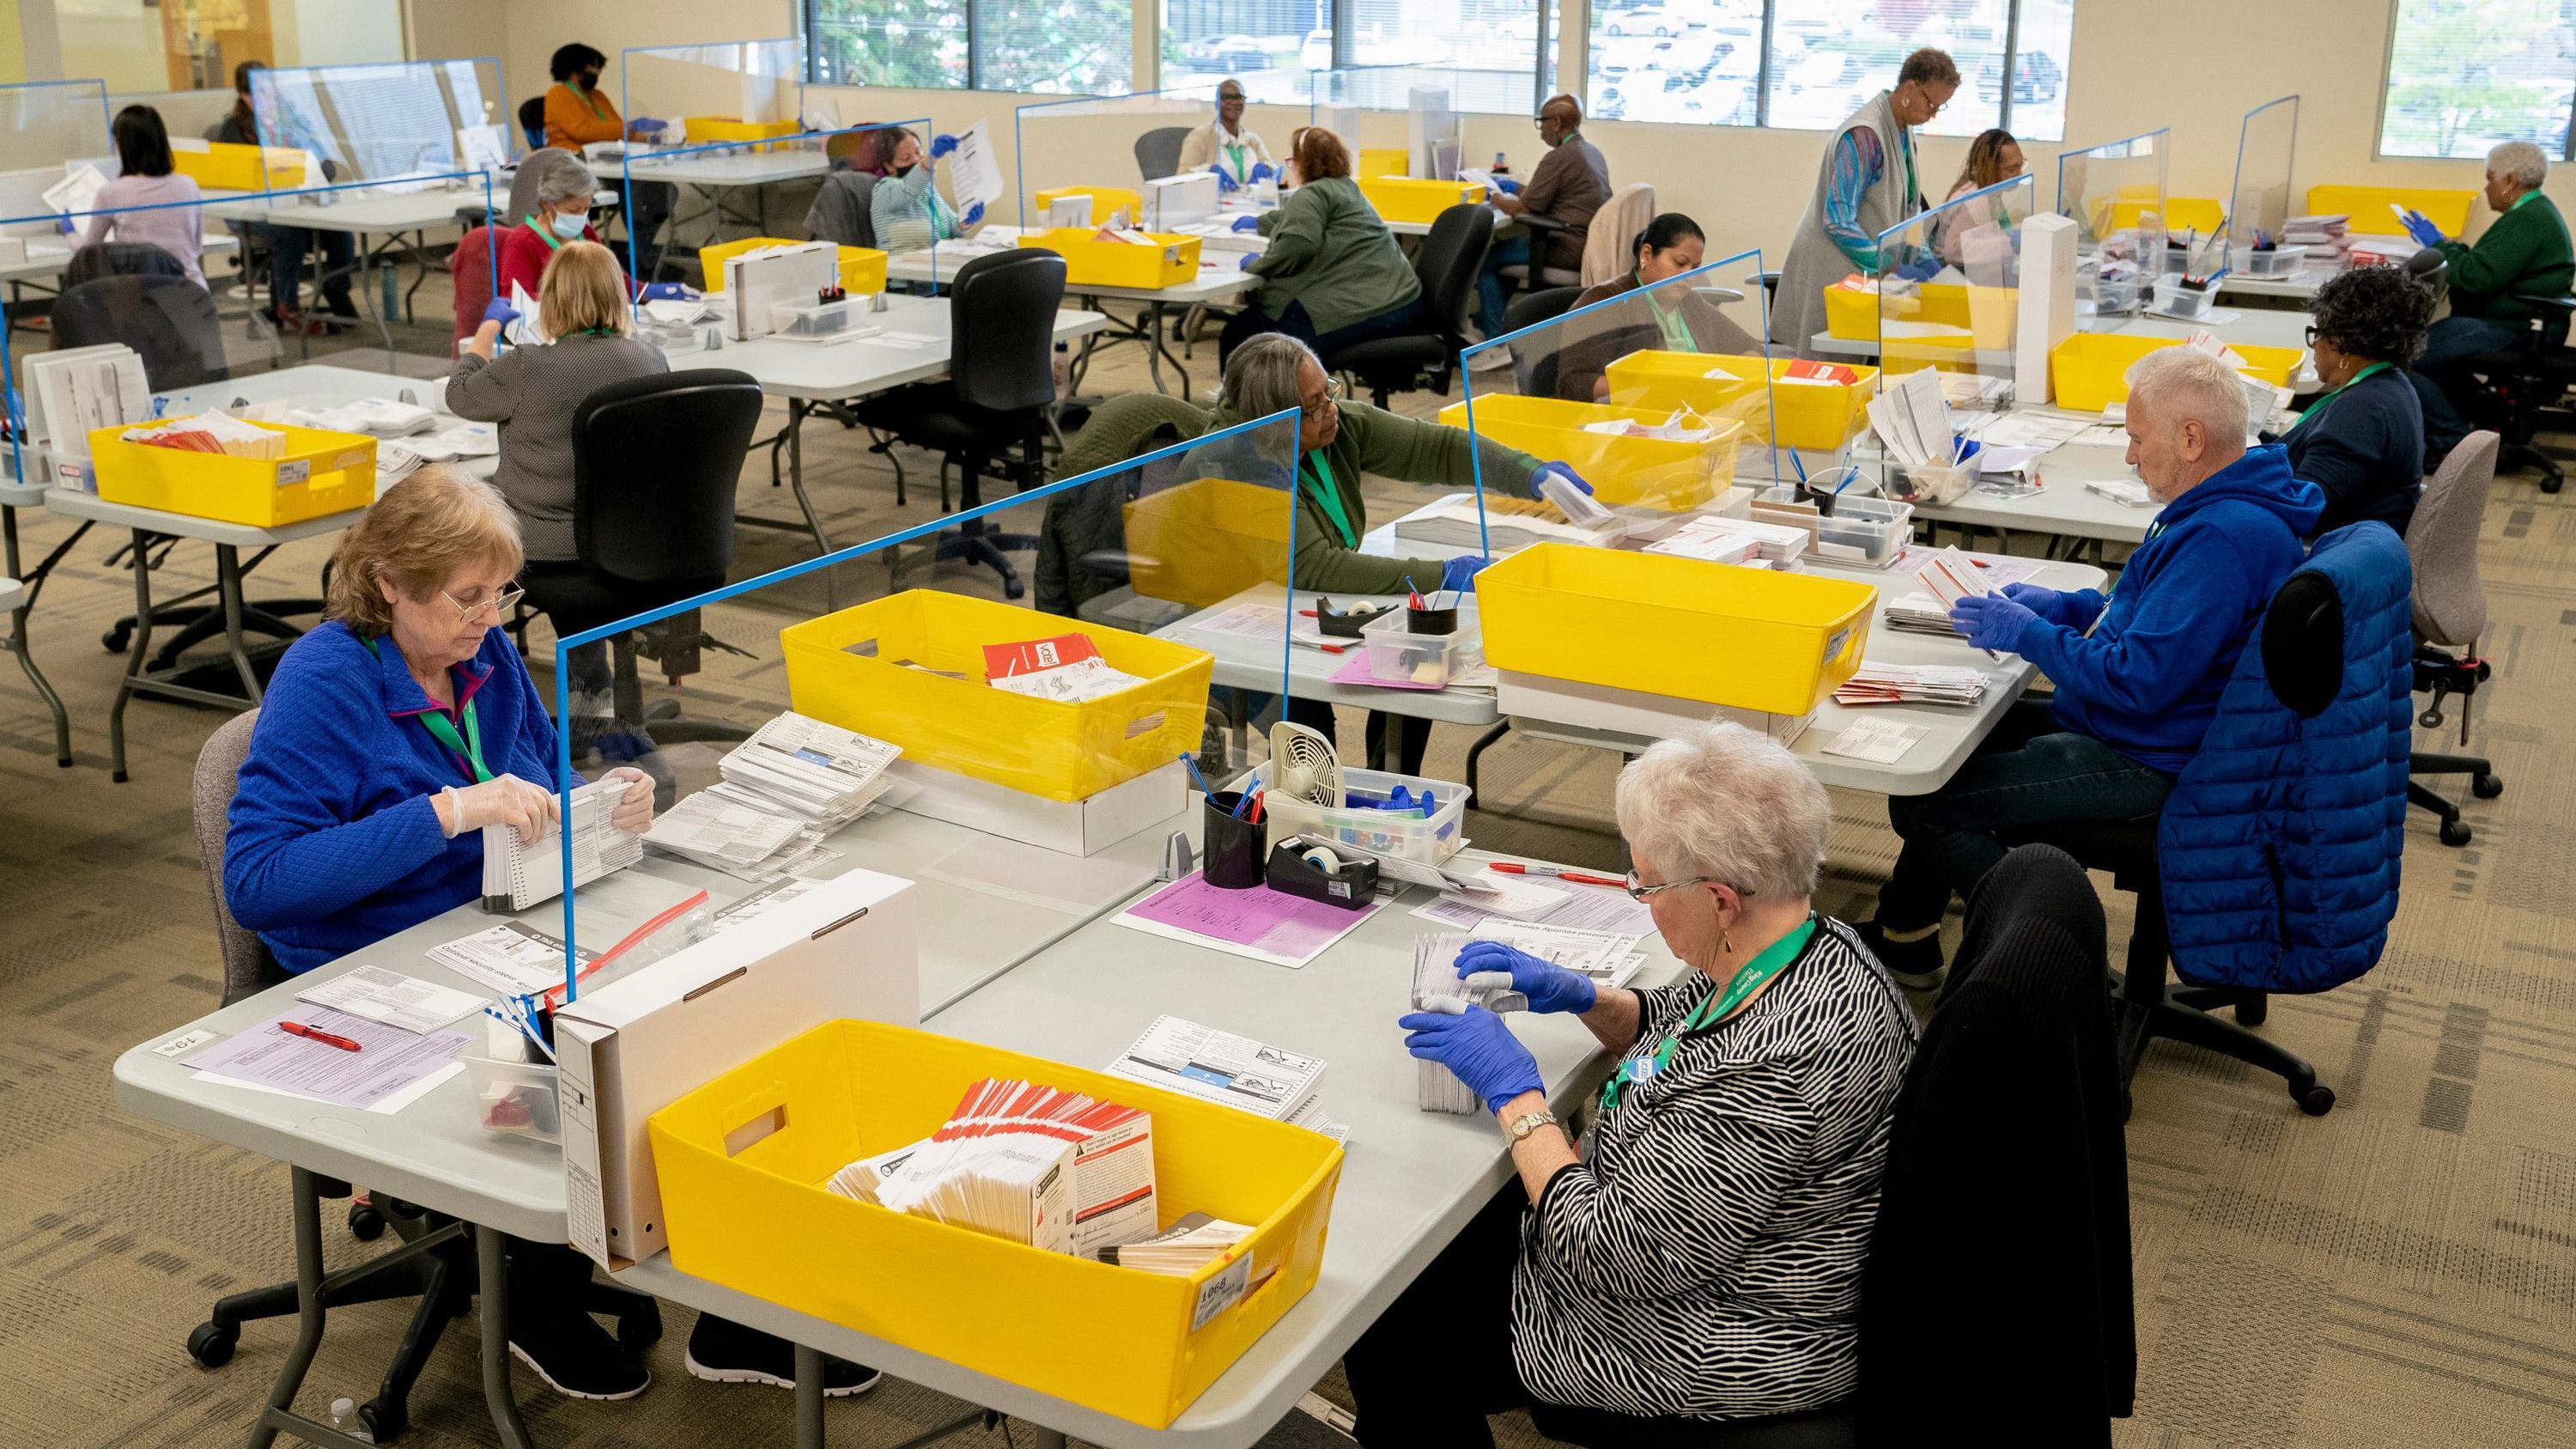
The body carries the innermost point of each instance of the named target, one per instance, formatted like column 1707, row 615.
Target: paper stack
column 1508, row 526
column 1875, row 683
column 1438, row 986
column 1919, row 614
column 1057, row 1170
column 518, row 875
column 2122, row 490
column 1912, row 420
column 1682, row 425
column 1183, row 1248
column 1067, row 667
column 1737, row 541
column 1216, row 1066
column 2327, row 238
column 213, row 431
column 816, row 773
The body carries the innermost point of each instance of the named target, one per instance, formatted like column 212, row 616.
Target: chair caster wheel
column 2551, row 485
column 365, row 1223
column 2252, row 1011
column 383, row 1420
column 2456, row 833
column 115, row 639
column 2486, row 787
column 639, row 1328
column 211, row 1344
column 2316, row 1099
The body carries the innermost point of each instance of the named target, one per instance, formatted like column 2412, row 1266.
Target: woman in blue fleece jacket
column 2138, row 668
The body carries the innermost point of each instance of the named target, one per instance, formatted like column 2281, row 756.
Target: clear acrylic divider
column 398, row 125
column 2259, row 204
column 1083, row 162
column 1947, row 295
column 2115, row 192
column 1662, row 399
column 744, row 91
column 52, row 122
column 1402, row 120
column 636, row 168
column 1172, row 570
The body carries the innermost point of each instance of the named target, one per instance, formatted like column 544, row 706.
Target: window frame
column 2388, row 75
column 807, row 12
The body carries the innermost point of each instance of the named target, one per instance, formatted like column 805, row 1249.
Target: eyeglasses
column 2312, row 337
column 1638, row 890
column 498, row 605
column 1334, row 392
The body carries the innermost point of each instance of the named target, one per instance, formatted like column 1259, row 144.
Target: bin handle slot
column 756, row 1118
column 735, row 974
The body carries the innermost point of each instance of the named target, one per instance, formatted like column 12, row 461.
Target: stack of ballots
column 1437, row 986
column 1875, row 683
column 783, row 790
column 1057, row 1170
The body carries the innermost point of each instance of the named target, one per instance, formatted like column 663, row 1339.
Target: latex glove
column 1460, row 573
column 1247, row 223
column 502, row 800
column 499, row 311
column 1548, row 986
column 1562, row 470
column 1992, row 621
column 64, row 225
column 2038, row 598
column 1225, row 181
column 664, row 292
column 974, row 214
column 633, row 812
column 643, row 126
column 1508, row 186
column 1921, row 269
column 941, row 146
column 1474, row 1043
column 2421, row 228
column 1248, row 259
column 1263, row 171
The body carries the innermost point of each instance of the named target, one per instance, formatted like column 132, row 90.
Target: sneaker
column 722, row 1351
column 1916, row 965
column 1490, row 360
column 575, row 1356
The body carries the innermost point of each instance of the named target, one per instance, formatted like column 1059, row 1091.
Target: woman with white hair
column 2524, row 253
column 1695, row 1252
column 564, row 191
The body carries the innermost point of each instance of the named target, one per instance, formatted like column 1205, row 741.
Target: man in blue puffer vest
column 2138, row 670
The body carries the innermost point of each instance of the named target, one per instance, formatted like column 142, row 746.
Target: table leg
column 18, row 641
column 1045, row 1438
column 228, row 583
column 1158, row 344
column 1149, row 330
column 308, row 1308
column 491, row 1258
column 418, row 246
column 809, row 1397
column 134, row 662
column 1476, row 755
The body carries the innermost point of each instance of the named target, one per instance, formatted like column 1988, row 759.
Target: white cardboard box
column 1073, row 827
column 844, row 949
column 1628, row 712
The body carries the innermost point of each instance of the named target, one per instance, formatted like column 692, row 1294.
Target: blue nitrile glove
column 2038, row 598
column 1460, row 573
column 64, row 225
column 664, row 292
column 1248, row 259
column 941, row 146
column 1225, row 181
column 1247, row 223
column 973, row 215
column 1562, row 470
column 1507, row 186
column 1474, row 1043
column 1992, row 621
column 499, row 311
column 1263, row 171
column 1548, row 986
column 1921, row 269
column 644, row 123
column 2421, row 228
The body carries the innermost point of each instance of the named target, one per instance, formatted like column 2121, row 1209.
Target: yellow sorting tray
column 704, row 129
column 863, row 269
column 754, row 1215
column 1104, row 200
column 2445, row 207
column 1817, row 415
column 1984, row 315
column 322, row 473
column 226, row 166
column 1382, row 160
column 1650, row 472
column 1167, row 260
column 2182, row 214
column 2089, row 370
column 1657, row 624
column 1207, row 540
column 884, row 668
column 1401, row 198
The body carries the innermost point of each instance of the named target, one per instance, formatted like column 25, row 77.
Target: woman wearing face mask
column 1993, row 157
column 577, row 114
column 906, row 207
column 562, row 214
column 1666, row 319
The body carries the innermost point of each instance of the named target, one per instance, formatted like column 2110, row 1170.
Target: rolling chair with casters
column 435, row 1262
column 1158, row 151
column 2519, row 384
column 1535, row 375
column 532, row 122
column 2450, row 605
column 990, row 415
column 1447, row 265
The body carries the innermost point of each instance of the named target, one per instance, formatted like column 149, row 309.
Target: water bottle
column 344, row 1417
column 1063, row 372
column 1500, row 167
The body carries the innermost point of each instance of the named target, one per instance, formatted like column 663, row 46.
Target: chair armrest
column 1721, row 294
column 1536, row 222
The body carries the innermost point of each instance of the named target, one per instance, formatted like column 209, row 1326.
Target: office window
column 1706, row 61
column 1070, row 47
column 1492, row 45
column 2467, row 75
column 1211, row 39
column 910, row 44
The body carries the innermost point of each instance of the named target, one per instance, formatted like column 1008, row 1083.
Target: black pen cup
column 1234, row 850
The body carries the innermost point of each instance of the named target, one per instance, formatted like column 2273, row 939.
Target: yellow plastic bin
column 1384, row 160
column 2182, row 214
column 227, row 166
column 1818, row 415
column 321, row 474
column 2089, row 370
column 1168, row 261
column 2445, row 207
column 1657, row 624
column 1207, row 540
column 1104, row 200
column 1984, row 315
column 1649, row 472
column 702, row 130
column 1140, row 1346
column 863, row 269
column 884, row 668
column 1401, row 198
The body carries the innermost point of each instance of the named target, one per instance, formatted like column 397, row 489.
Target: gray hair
column 1261, row 377
column 1730, row 805
column 565, row 179
column 2520, row 162
column 2184, row 384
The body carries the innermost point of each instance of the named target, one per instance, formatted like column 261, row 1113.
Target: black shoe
column 1916, row 965
column 722, row 1351
column 575, row 1356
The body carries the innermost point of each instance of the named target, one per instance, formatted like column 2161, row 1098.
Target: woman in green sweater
column 2525, row 253
column 1331, row 274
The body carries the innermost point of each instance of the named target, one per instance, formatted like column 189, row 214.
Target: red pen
column 297, row 1028
column 1509, row 867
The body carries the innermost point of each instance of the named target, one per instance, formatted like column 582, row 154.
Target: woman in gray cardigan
column 1331, row 274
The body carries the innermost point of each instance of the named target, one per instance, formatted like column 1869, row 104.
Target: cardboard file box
column 1546, row 701
column 1069, row 827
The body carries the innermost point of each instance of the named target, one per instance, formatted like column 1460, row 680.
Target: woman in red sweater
column 579, row 113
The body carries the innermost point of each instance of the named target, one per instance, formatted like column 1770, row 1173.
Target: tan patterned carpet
column 2400, row 1273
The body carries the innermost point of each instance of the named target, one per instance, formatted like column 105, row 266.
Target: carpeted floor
column 2401, row 1272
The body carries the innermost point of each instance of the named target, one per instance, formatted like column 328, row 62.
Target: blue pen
column 1195, row 776
column 1801, row 467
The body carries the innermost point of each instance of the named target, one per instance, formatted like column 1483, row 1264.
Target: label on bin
column 298, row 471
column 1221, row 1291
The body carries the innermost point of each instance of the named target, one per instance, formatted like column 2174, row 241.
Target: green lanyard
column 544, row 232
column 2317, row 409
column 1913, row 189
column 1329, row 494
column 1671, row 322
column 1751, row 977
column 592, row 97
column 469, row 745
column 1235, row 155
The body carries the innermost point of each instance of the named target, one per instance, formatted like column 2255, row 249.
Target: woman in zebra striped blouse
column 1696, row 1252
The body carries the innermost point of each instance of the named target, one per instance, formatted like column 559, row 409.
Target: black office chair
column 2450, row 607
column 1158, row 151
column 989, row 415
column 840, row 213
column 1534, row 368
column 1447, row 265
column 2518, row 387
column 532, row 121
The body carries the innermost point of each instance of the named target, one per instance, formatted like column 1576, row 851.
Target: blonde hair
column 418, row 536
column 2175, row 385
column 582, row 290
column 1728, row 804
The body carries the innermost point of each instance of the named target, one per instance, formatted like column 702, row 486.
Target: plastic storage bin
column 1818, row 415
column 1384, row 161
column 322, row 473
column 2189, row 303
column 2119, row 295
column 1429, row 839
column 1401, row 198
column 2445, row 207
column 1987, row 314
column 756, row 1217
column 819, row 321
column 1104, row 201
column 852, row 669
column 516, row 1099
column 1646, row 472
column 1658, row 624
column 1396, row 653
column 1862, row 530
column 1163, row 259
column 704, row 129
column 2278, row 262
column 863, row 269
column 229, row 166
column 2089, row 370
column 1207, row 540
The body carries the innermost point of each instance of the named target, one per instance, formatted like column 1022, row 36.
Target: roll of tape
column 1323, row 859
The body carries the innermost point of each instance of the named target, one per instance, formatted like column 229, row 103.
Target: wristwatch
column 1527, row 1123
